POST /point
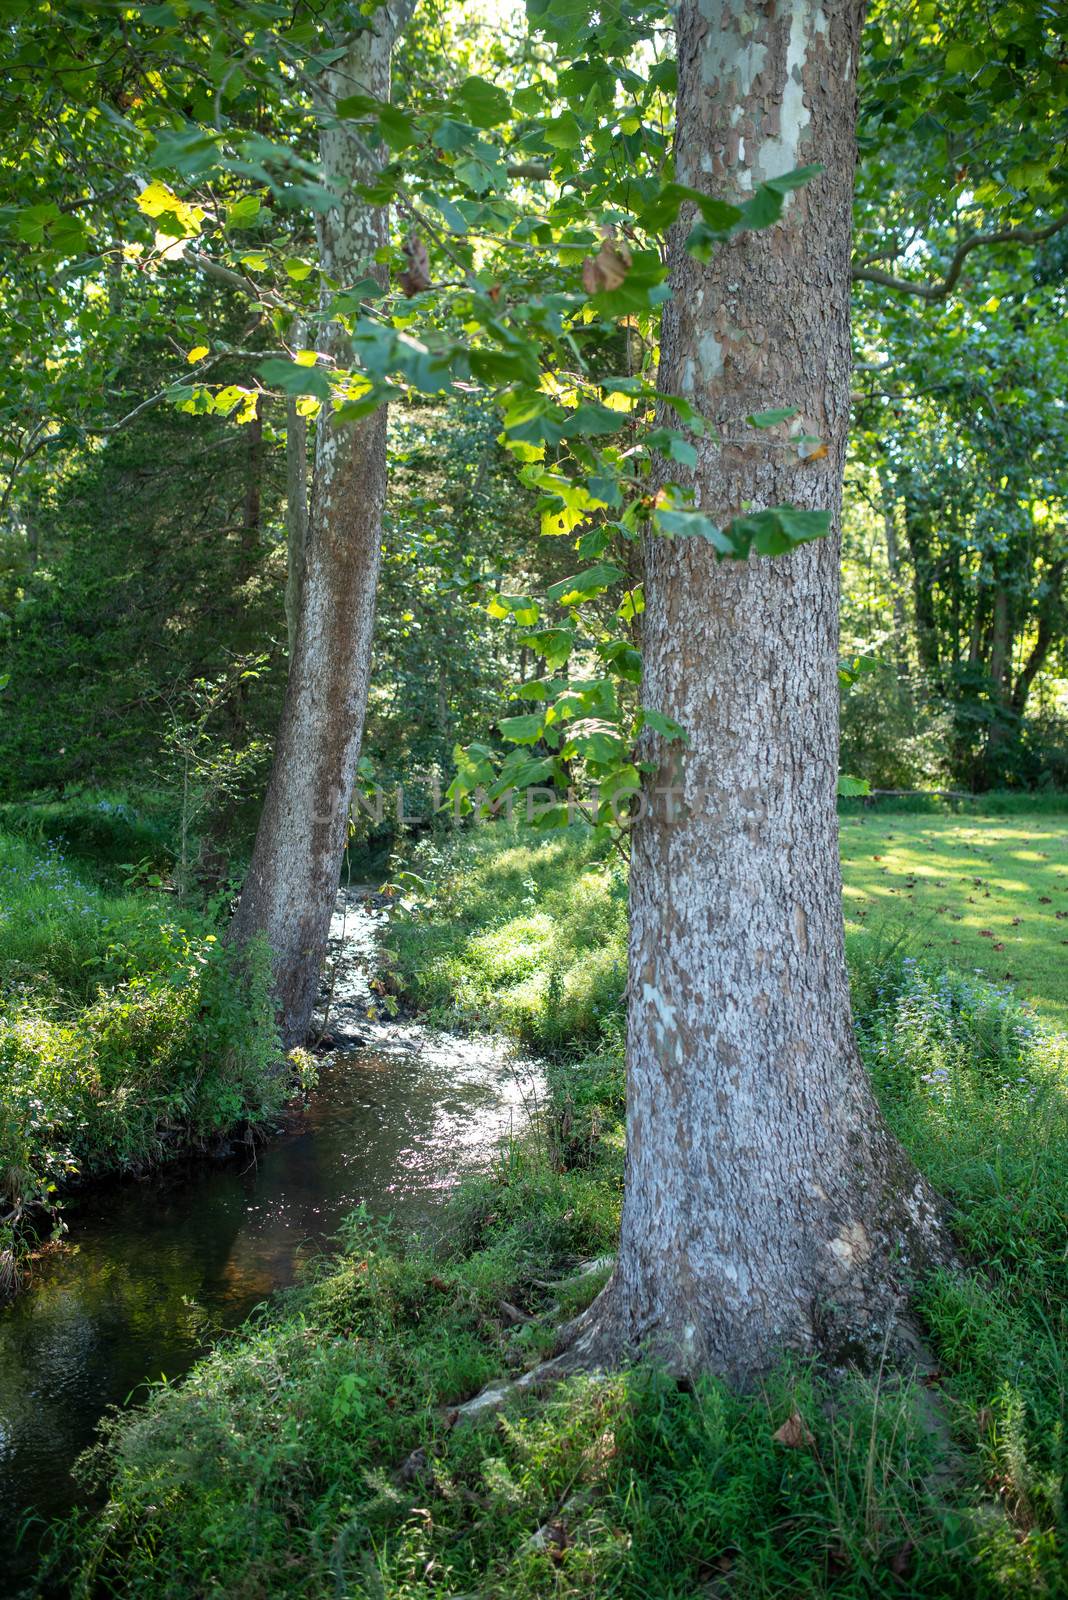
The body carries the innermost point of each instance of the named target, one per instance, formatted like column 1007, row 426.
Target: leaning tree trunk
column 766, row 1205
column 291, row 887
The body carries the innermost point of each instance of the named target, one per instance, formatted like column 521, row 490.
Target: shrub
column 124, row 1036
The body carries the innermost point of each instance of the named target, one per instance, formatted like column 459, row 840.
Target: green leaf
column 294, row 379
column 555, row 644
column 595, row 740
column 563, row 132
column 667, row 727
column 768, row 419
column 777, row 531
column 849, row 787
column 767, row 203
column 454, row 217
column 525, row 729
column 623, row 659
column 244, row 212
column 452, row 135
column 592, row 418
column 513, row 605
column 398, row 130
column 717, row 216
column 484, row 104
column 584, row 585
column 693, row 525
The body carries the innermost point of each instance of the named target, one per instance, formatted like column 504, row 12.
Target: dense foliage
column 188, row 280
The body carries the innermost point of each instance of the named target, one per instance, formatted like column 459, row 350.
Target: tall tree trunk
column 296, row 514
column 291, row 887
column 990, row 766
column 766, row 1204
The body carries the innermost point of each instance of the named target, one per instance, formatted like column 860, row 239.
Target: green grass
column 126, row 1035
column 278, row 1467
column 516, row 931
column 981, row 893
column 527, row 932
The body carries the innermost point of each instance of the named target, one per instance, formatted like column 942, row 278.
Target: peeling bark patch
column 852, row 1247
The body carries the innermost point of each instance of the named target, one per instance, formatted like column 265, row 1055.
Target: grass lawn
column 527, row 932
column 986, row 894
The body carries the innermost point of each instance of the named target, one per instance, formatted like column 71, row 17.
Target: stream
column 151, row 1269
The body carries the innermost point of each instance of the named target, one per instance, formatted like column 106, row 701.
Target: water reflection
column 152, row 1267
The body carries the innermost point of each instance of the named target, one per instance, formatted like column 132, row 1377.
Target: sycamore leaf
column 609, row 267
column 156, row 200
column 294, row 379
column 524, row 729
column 416, row 275
column 768, row 419
column 794, row 1434
column 584, row 585
column 665, row 726
column 513, row 605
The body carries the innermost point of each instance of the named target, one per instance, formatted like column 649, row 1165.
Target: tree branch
column 235, row 280
column 942, row 287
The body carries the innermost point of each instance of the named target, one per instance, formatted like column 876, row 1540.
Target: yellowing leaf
column 198, row 352
column 156, row 200
column 306, row 358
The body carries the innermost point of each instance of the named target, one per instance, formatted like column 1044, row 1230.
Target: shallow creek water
column 150, row 1269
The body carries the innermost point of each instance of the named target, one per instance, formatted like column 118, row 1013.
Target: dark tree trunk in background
column 918, row 536
column 292, row 883
column 766, row 1203
column 893, row 562
column 1049, row 627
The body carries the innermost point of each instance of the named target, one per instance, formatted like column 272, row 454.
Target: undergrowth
column 127, row 1034
column 316, row 1453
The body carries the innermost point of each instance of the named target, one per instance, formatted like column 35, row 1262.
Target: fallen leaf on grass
column 794, row 1434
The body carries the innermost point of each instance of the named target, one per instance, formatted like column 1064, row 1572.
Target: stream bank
column 152, row 1269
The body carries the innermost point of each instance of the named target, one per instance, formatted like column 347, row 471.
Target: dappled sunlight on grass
column 983, row 894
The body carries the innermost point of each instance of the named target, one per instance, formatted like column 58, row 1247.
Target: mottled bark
column 766, row 1204
column 292, row 881
column 296, row 514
